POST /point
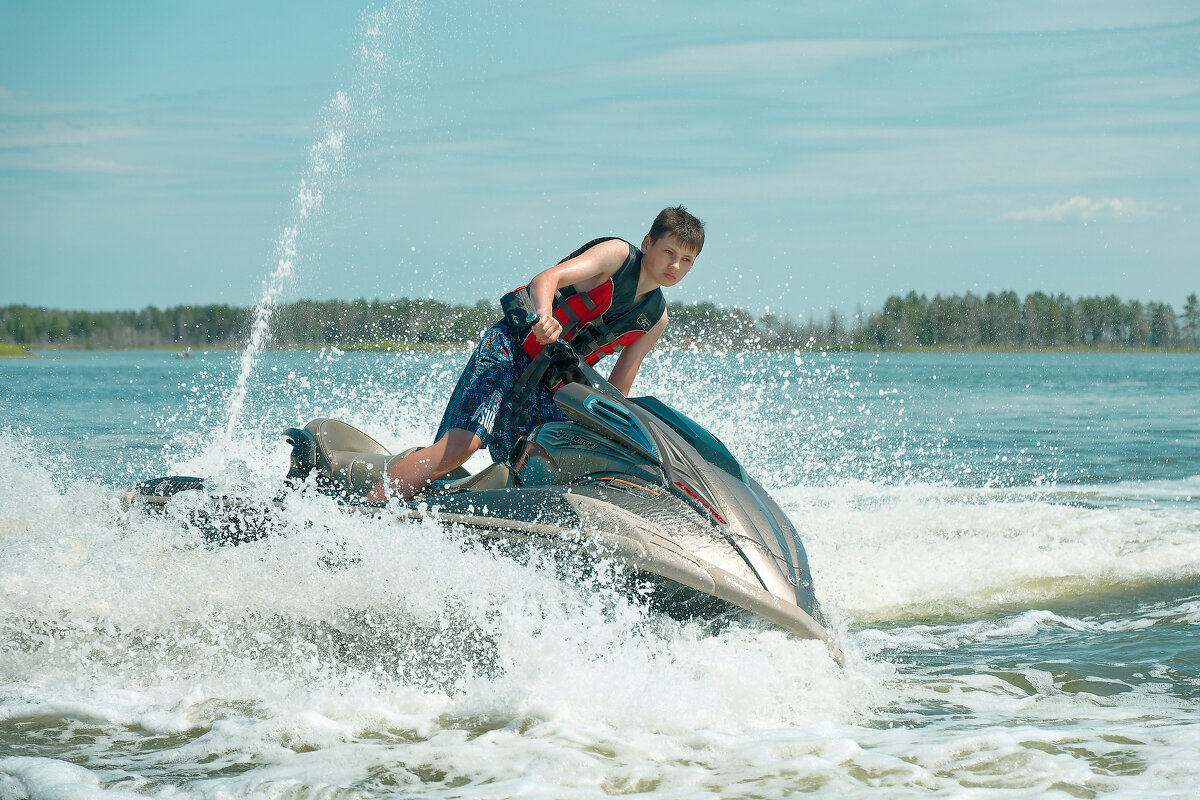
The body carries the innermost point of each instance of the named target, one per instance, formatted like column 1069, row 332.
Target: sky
column 173, row 153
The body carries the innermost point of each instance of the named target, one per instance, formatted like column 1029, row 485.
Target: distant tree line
column 996, row 320
column 1004, row 320
column 196, row 326
column 303, row 324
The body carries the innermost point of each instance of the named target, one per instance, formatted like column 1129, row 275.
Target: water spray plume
column 347, row 114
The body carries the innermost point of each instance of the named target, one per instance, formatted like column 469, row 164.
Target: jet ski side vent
column 608, row 417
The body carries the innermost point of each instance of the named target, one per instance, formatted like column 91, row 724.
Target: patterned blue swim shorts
column 485, row 383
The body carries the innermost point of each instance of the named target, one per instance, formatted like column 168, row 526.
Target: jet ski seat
column 358, row 462
column 349, row 456
column 496, row 476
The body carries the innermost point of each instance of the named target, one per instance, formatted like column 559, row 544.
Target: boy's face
column 667, row 260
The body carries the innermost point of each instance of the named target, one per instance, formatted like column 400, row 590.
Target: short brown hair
column 677, row 222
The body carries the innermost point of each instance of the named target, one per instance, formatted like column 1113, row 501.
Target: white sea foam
column 337, row 630
column 346, row 653
column 920, row 549
column 1003, row 638
column 36, row 778
column 1185, row 489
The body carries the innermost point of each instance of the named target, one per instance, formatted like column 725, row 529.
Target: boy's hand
column 547, row 329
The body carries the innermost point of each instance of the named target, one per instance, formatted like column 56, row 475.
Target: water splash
column 347, row 114
column 1007, row 635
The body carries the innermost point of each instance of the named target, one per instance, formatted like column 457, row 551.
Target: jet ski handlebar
column 563, row 363
column 556, row 365
column 559, row 363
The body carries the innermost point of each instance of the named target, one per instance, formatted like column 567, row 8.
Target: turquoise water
column 1009, row 546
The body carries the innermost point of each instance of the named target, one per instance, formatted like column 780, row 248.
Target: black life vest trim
column 625, row 284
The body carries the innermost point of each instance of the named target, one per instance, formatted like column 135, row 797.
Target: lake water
column 1008, row 545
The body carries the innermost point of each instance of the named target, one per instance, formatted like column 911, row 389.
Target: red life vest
column 597, row 321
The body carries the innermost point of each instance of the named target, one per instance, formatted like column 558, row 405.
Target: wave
column 1106, row 613
column 1177, row 489
column 340, row 606
column 345, row 653
column 915, row 551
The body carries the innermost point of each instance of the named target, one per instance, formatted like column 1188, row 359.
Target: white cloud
column 1150, row 91
column 68, row 147
column 1073, row 17
column 59, row 134
column 1083, row 209
column 739, row 60
column 5, row 92
column 20, row 161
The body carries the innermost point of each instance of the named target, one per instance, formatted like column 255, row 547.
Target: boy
column 604, row 295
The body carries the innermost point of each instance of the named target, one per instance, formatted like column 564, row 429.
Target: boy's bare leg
column 413, row 473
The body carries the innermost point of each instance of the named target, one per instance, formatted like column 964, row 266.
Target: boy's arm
column 589, row 268
column 626, row 368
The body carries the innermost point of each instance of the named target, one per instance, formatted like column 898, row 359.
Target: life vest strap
column 561, row 304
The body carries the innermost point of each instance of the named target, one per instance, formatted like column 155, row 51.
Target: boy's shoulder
column 609, row 248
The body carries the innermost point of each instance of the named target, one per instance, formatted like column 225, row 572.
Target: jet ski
column 628, row 479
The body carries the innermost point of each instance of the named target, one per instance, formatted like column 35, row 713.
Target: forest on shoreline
column 996, row 321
